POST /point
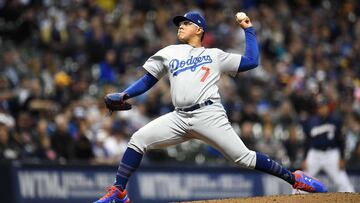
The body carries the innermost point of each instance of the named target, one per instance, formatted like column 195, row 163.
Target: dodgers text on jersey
column 178, row 66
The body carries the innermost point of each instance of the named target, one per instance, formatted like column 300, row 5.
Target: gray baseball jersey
column 193, row 74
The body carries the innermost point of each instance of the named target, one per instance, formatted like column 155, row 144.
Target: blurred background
column 59, row 58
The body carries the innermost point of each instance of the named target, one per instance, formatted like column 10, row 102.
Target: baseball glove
column 116, row 102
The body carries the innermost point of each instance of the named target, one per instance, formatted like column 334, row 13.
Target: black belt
column 323, row 148
column 196, row 106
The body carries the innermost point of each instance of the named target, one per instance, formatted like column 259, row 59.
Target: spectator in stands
column 83, row 145
column 352, row 133
column 8, row 148
column 247, row 135
column 61, row 141
column 12, row 69
column 293, row 146
column 25, row 136
column 116, row 143
column 108, row 69
column 354, row 162
column 45, row 150
column 270, row 145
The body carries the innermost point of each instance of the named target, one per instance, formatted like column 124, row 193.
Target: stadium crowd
column 59, row 59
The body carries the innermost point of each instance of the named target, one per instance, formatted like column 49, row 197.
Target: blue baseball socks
column 267, row 165
column 129, row 163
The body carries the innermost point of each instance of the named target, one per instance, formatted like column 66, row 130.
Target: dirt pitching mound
column 303, row 198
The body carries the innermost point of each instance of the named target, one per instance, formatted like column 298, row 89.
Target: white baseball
column 241, row 16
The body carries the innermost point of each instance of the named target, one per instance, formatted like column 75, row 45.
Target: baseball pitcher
column 194, row 72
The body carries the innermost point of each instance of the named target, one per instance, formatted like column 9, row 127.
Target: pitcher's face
column 187, row 30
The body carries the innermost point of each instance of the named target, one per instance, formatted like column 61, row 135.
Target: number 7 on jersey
column 207, row 72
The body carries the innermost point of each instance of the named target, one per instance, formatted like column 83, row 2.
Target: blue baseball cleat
column 114, row 195
column 307, row 183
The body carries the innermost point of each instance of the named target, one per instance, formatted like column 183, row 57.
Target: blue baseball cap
column 192, row 16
